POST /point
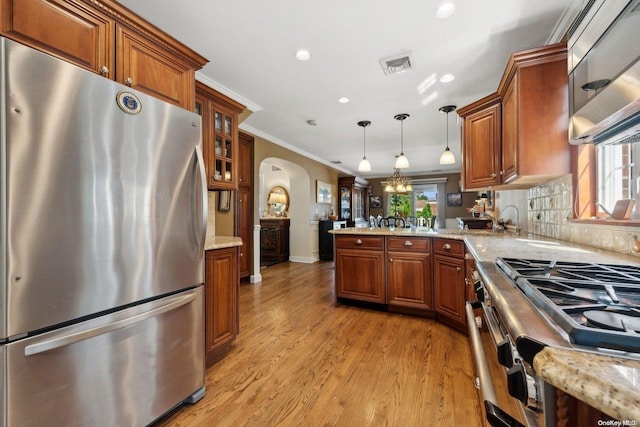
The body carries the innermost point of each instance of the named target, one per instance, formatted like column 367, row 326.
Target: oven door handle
column 495, row 415
column 498, row 418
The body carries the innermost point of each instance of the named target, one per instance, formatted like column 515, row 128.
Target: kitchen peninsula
column 366, row 270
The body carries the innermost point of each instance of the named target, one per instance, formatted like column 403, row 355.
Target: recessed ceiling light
column 447, row 78
column 343, row 100
column 303, row 55
column 446, row 10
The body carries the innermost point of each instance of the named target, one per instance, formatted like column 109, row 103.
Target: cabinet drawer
column 449, row 247
column 412, row 244
column 361, row 242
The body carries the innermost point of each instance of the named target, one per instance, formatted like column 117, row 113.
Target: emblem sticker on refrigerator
column 128, row 102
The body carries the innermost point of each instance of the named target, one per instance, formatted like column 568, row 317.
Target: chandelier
column 398, row 183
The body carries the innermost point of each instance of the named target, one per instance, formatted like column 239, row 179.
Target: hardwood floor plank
column 302, row 360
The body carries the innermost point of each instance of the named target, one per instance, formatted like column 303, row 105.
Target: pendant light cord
column 364, row 142
column 447, row 130
column 402, row 137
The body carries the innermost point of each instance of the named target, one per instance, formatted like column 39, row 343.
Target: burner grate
column 570, row 293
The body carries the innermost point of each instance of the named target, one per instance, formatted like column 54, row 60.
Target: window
column 617, row 175
column 416, row 203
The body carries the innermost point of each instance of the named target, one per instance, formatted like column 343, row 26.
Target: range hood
column 604, row 75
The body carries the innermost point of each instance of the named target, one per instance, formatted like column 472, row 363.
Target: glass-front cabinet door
column 359, row 195
column 219, row 137
column 223, row 154
column 354, row 201
column 345, row 202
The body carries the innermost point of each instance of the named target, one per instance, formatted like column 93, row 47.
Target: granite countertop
column 418, row 232
column 610, row 384
column 218, row 242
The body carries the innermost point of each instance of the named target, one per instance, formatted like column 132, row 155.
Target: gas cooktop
column 598, row 305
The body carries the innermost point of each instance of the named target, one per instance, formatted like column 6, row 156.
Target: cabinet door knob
column 493, row 175
column 408, row 243
column 358, row 242
column 458, row 269
column 390, row 259
column 128, row 81
column 104, row 70
column 446, row 246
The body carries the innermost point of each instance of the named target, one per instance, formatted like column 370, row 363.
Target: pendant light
column 447, row 157
column 364, row 165
column 401, row 162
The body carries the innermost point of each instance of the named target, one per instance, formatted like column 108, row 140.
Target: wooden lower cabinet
column 409, row 277
column 570, row 412
column 416, row 275
column 274, row 240
column 243, row 221
column 359, row 268
column 469, row 279
column 221, row 302
column 449, row 285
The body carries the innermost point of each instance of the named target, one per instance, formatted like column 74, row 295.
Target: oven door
column 489, row 346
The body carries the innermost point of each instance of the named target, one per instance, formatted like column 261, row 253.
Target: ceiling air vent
column 397, row 63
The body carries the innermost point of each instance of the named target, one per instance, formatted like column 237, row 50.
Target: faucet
column 518, row 228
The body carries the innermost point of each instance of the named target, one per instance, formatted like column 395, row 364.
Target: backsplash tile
column 550, row 208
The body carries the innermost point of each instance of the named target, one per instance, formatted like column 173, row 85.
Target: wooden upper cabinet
column 517, row 137
column 102, row 35
column 145, row 66
column 510, row 161
column 220, row 137
column 70, row 30
column 481, row 143
column 245, row 153
column 535, row 116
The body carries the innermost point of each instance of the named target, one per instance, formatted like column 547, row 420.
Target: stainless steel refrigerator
column 102, row 228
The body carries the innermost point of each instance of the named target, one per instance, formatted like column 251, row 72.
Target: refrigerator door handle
column 200, row 227
column 74, row 337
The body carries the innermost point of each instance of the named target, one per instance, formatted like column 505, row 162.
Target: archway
column 295, row 179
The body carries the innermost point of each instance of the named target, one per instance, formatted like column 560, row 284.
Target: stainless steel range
column 524, row 305
column 597, row 305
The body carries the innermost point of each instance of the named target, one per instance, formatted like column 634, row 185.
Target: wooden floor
column 300, row 360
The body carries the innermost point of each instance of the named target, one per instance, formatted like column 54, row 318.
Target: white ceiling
column 251, row 46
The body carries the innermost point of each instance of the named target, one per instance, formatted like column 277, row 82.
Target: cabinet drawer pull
column 104, row 70
column 493, row 175
column 458, row 268
column 446, row 247
column 358, row 242
column 128, row 81
column 408, row 243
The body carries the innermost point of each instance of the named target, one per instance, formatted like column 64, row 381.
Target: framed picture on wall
column 224, row 201
column 323, row 192
column 454, row 199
